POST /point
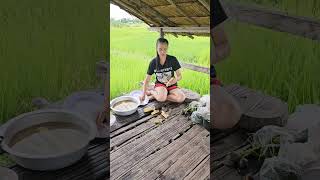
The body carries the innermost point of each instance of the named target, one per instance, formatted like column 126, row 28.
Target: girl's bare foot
column 150, row 94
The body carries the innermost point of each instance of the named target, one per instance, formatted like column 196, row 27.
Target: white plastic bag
column 279, row 169
column 202, row 110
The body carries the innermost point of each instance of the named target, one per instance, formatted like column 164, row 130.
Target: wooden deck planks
column 94, row 164
column 154, row 151
column 182, row 156
column 202, row 171
column 189, row 161
column 130, row 126
column 219, row 150
column 153, row 156
column 143, row 127
column 158, row 165
column 128, row 155
column 226, row 145
column 225, row 173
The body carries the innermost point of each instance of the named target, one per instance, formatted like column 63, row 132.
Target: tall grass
column 48, row 48
column 132, row 48
column 279, row 64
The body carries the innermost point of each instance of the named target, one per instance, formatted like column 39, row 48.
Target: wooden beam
column 183, row 13
column 204, row 30
column 275, row 20
column 195, row 68
column 135, row 12
column 205, row 4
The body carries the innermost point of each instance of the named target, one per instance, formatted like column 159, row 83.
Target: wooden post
column 161, row 33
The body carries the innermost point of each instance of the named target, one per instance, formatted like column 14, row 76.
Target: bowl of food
column 124, row 105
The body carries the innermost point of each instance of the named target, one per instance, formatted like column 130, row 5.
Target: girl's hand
column 142, row 97
column 171, row 81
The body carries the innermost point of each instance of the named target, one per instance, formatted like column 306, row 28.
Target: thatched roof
column 171, row 13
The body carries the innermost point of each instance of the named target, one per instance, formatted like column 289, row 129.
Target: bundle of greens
column 199, row 111
column 264, row 155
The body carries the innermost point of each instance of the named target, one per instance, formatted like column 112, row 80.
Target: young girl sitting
column 168, row 73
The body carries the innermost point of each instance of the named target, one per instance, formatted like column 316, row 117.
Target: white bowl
column 126, row 112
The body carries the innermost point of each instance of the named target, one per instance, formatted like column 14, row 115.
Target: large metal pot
column 54, row 160
column 125, row 112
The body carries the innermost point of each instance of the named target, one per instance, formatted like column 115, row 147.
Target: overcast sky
column 117, row 13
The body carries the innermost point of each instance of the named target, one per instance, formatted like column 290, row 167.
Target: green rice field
column 133, row 47
column 49, row 49
column 277, row 63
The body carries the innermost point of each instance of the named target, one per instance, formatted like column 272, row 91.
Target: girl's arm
column 176, row 78
column 145, row 84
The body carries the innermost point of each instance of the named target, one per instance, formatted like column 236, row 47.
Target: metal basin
column 125, row 112
column 47, row 139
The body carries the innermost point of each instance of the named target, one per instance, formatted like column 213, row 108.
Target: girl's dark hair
column 162, row 41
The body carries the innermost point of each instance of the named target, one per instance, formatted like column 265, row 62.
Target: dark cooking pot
column 72, row 142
